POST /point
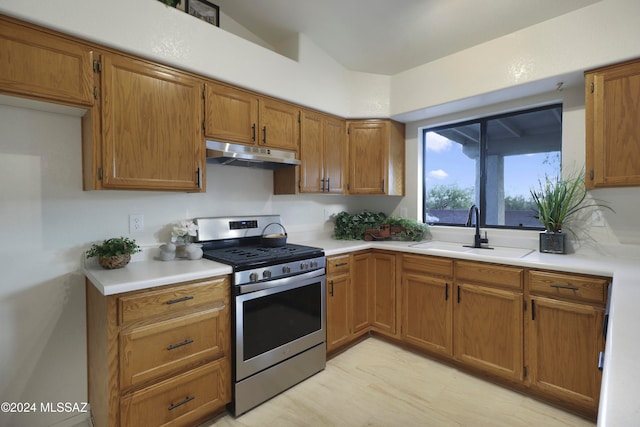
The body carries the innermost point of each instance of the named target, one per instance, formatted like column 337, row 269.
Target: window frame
column 482, row 121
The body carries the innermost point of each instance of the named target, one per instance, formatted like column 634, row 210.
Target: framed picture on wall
column 204, row 10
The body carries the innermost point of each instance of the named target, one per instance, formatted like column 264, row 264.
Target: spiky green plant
column 558, row 199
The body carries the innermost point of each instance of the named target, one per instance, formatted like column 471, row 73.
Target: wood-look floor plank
column 378, row 384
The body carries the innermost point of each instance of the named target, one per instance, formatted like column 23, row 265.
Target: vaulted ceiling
column 390, row 36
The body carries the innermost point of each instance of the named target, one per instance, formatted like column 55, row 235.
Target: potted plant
column 114, row 253
column 558, row 200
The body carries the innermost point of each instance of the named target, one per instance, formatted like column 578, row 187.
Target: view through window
column 491, row 162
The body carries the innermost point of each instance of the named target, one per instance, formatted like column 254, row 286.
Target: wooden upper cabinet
column 231, row 114
column 376, row 157
column 323, row 152
column 612, row 97
column 335, row 155
column 243, row 117
column 311, row 152
column 151, row 127
column 43, row 65
column 279, row 125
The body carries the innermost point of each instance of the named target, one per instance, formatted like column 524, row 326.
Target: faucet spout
column 478, row 240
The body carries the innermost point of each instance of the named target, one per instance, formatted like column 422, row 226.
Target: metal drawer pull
column 342, row 264
column 173, row 301
column 174, row 346
column 573, row 288
column 186, row 400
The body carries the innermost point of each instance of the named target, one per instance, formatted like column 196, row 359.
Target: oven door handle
column 259, row 286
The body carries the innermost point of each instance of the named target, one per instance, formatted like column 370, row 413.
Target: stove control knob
column 266, row 274
column 253, row 277
column 314, row 264
column 286, row 270
column 304, row 266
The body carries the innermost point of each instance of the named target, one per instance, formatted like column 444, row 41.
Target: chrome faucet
column 478, row 241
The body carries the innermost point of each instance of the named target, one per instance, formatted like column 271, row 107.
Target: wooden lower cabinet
column 383, row 289
column 373, row 293
column 180, row 401
column 565, row 338
column 361, row 293
column 338, row 301
column 427, row 302
column 488, row 318
column 159, row 357
column 488, row 329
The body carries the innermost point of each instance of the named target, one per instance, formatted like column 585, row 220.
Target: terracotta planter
column 552, row 243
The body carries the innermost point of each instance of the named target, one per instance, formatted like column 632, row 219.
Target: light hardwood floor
column 378, row 384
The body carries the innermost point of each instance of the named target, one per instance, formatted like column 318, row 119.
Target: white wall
column 49, row 221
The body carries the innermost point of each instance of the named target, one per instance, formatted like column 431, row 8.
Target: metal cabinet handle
column 573, row 288
column 264, row 135
column 322, row 181
column 174, row 301
column 253, row 132
column 331, row 291
column 341, row 264
column 328, row 184
column 446, row 292
column 186, row 400
column 183, row 343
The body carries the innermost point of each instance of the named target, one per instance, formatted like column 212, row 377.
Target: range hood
column 248, row 156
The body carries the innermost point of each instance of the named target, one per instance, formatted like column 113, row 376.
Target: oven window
column 280, row 318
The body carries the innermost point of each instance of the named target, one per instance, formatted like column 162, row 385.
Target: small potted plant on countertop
column 558, row 200
column 114, row 253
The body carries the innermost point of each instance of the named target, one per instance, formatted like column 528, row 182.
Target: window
column 490, row 162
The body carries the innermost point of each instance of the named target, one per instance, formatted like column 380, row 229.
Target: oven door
column 276, row 323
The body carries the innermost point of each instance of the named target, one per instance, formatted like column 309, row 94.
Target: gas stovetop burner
column 247, row 256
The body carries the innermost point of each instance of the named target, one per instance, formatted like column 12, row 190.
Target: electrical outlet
column 136, row 223
column 597, row 219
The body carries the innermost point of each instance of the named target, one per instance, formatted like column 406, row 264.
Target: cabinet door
column 367, row 157
column 565, row 340
column 338, row 322
column 384, row 292
column 44, row 66
column 279, row 124
column 488, row 329
column 152, row 127
column 335, row 155
column 428, row 317
column 361, row 295
column 612, row 132
column 231, row 114
column 311, row 153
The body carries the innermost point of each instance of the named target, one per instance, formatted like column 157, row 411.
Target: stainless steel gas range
column 278, row 309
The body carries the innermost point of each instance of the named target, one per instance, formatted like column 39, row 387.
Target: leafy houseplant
column 114, row 253
column 172, row 3
column 558, row 200
column 355, row 227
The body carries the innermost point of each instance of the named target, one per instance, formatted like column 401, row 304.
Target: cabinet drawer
column 174, row 299
column 148, row 352
column 428, row 265
column 491, row 274
column 180, row 401
column 338, row 265
column 568, row 286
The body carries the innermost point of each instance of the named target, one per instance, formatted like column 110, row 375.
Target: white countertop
column 150, row 272
column 619, row 404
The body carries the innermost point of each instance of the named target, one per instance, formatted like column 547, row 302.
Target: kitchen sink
column 496, row 251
